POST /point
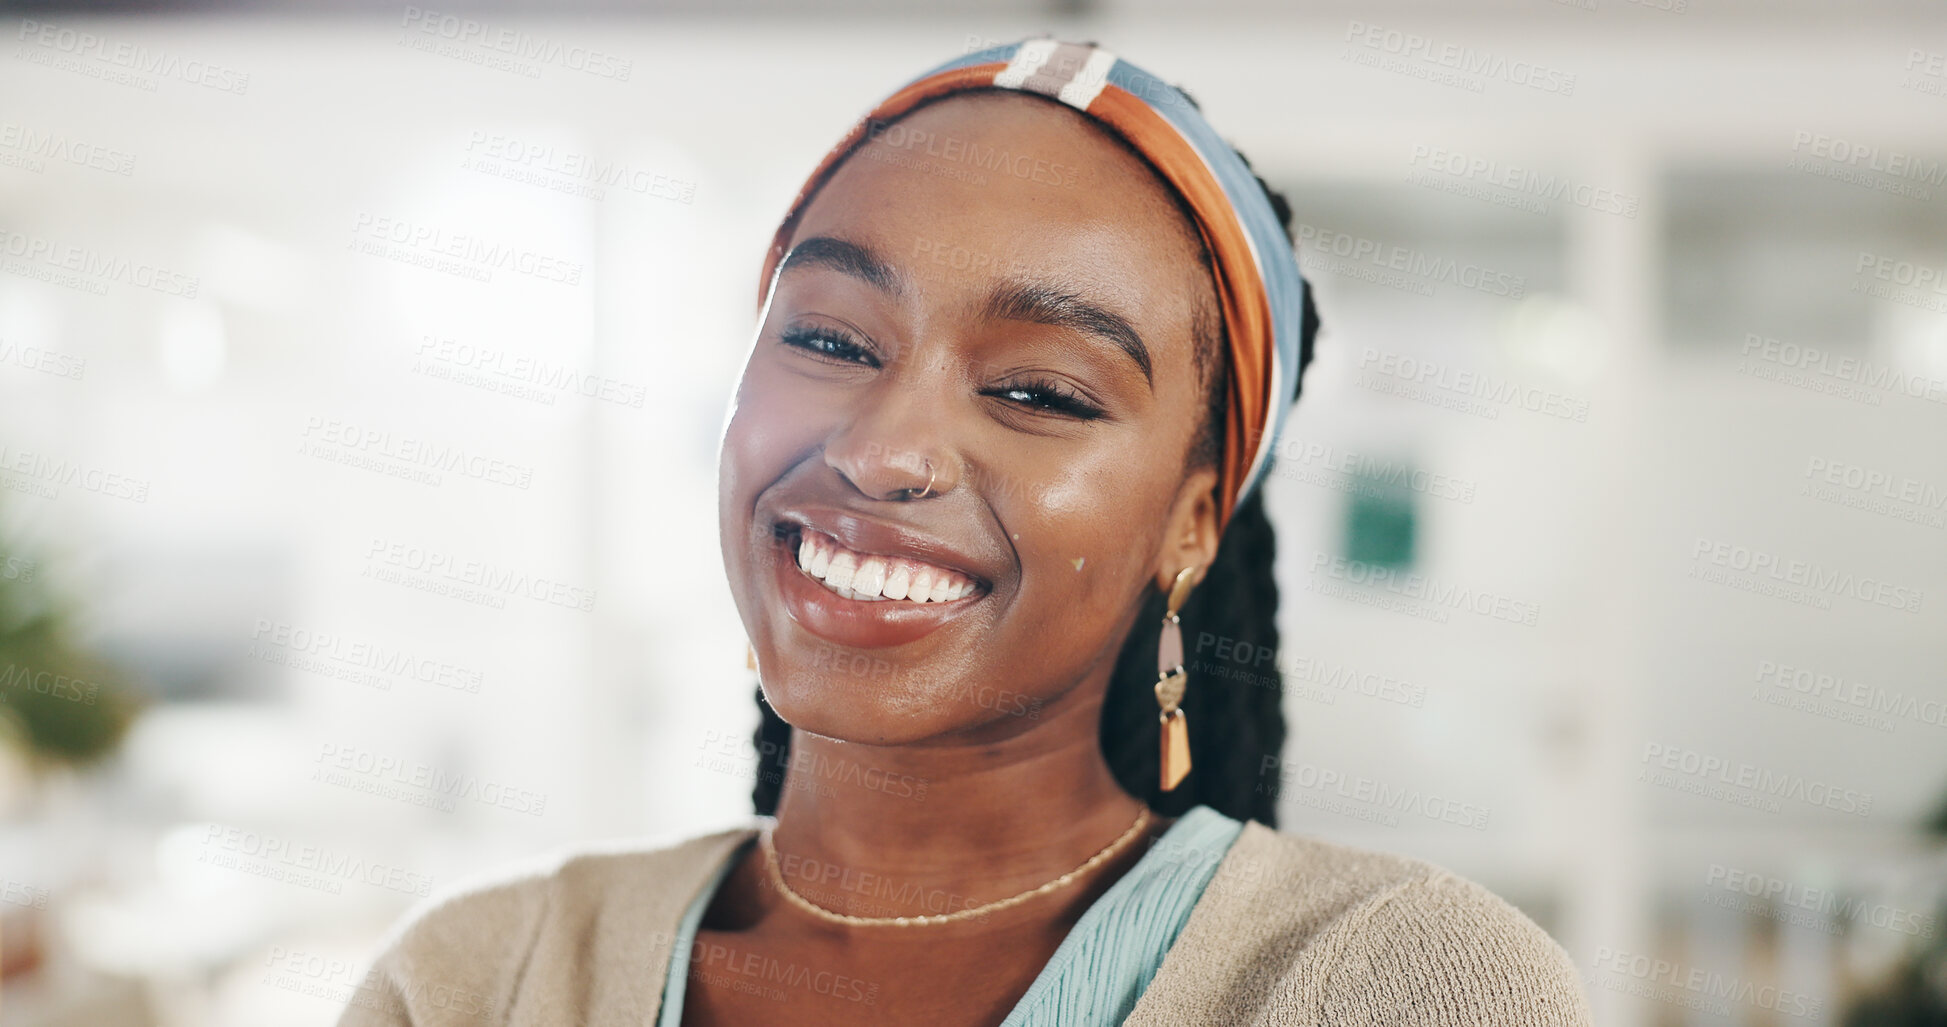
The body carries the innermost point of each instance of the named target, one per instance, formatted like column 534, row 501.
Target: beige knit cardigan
column 1289, row 932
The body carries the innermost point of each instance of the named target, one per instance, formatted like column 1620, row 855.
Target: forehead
column 983, row 187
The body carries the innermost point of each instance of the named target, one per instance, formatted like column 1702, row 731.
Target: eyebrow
column 1014, row 301
column 847, row 258
column 1041, row 304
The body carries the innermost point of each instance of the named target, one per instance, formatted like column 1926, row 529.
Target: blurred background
column 361, row 374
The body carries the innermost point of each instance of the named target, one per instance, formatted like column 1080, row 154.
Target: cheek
column 776, row 419
column 1087, row 538
column 764, row 438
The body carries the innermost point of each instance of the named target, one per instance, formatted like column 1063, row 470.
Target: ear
column 1191, row 536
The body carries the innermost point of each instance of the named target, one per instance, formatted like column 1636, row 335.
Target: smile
column 868, row 600
column 869, row 577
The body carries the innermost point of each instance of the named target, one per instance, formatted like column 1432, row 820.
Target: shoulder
column 467, row 954
column 1400, row 940
column 1341, row 935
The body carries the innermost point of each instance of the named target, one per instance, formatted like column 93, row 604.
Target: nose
column 893, row 447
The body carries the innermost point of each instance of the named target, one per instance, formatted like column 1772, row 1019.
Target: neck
column 905, row 830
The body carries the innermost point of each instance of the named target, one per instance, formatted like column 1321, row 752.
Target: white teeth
column 867, row 577
column 921, row 587
column 870, row 577
column 898, row 580
column 839, row 574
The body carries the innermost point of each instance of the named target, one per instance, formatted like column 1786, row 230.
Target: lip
column 859, row 623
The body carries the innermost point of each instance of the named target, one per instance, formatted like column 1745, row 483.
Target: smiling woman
column 996, row 442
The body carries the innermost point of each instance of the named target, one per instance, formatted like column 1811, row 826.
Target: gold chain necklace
column 777, row 878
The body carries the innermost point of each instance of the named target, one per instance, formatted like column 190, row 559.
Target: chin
column 864, row 707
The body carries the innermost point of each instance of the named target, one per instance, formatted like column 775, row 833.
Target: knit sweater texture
column 1290, row 932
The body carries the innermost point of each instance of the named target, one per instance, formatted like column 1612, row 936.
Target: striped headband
column 1259, row 288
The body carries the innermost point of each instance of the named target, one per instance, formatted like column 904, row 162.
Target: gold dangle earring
column 750, row 656
column 1170, row 681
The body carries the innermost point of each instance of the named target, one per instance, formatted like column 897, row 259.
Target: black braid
column 1234, row 704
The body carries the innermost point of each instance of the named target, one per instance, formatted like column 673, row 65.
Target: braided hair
column 1234, row 704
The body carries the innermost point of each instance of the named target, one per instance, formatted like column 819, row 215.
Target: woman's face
column 995, row 295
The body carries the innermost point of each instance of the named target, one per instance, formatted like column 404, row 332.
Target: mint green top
column 1107, row 959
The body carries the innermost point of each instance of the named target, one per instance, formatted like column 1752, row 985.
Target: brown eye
column 1043, row 394
column 829, row 343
